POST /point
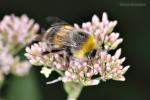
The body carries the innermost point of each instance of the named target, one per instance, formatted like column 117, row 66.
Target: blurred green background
column 133, row 24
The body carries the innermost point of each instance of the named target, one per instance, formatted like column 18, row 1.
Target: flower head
column 5, row 64
column 18, row 29
column 88, row 71
column 15, row 33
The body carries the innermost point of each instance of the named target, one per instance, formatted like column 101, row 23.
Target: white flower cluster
column 15, row 33
column 103, row 66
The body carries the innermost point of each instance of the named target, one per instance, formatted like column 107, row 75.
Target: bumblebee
column 63, row 37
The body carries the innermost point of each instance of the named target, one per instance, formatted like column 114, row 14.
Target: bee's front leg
column 90, row 57
column 65, row 56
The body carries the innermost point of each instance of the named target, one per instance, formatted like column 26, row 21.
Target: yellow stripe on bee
column 86, row 47
column 58, row 39
column 68, row 27
column 59, row 36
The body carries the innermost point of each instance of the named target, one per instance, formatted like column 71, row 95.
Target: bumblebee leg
column 91, row 63
column 45, row 52
column 66, row 58
column 62, row 53
column 90, row 56
column 52, row 51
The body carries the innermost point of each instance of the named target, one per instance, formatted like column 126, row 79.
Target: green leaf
column 23, row 88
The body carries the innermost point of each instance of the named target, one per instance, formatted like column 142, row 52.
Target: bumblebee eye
column 82, row 35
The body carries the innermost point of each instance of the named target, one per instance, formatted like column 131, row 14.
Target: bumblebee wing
column 56, row 24
column 55, row 21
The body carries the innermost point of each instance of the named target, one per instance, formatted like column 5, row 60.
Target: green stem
column 73, row 90
column 60, row 72
column 18, row 49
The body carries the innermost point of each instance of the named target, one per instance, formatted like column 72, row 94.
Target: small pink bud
column 28, row 50
column 68, row 74
column 114, row 23
column 119, row 78
column 84, row 26
column 92, row 82
column 124, row 70
column 102, row 36
column 95, row 20
column 117, row 54
column 122, row 60
column 74, row 76
column 35, row 28
column 108, row 67
column 106, row 38
column 76, row 26
column 108, row 58
column 81, row 74
column 24, row 18
column 112, row 37
column 116, row 35
column 103, row 56
column 88, row 24
column 116, row 43
column 105, row 18
column 33, row 61
column 58, row 66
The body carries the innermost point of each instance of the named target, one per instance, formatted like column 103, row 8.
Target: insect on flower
column 80, row 54
column 64, row 39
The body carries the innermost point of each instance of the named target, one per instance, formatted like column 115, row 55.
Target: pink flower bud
column 117, row 54
column 76, row 26
column 105, row 18
column 95, row 20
